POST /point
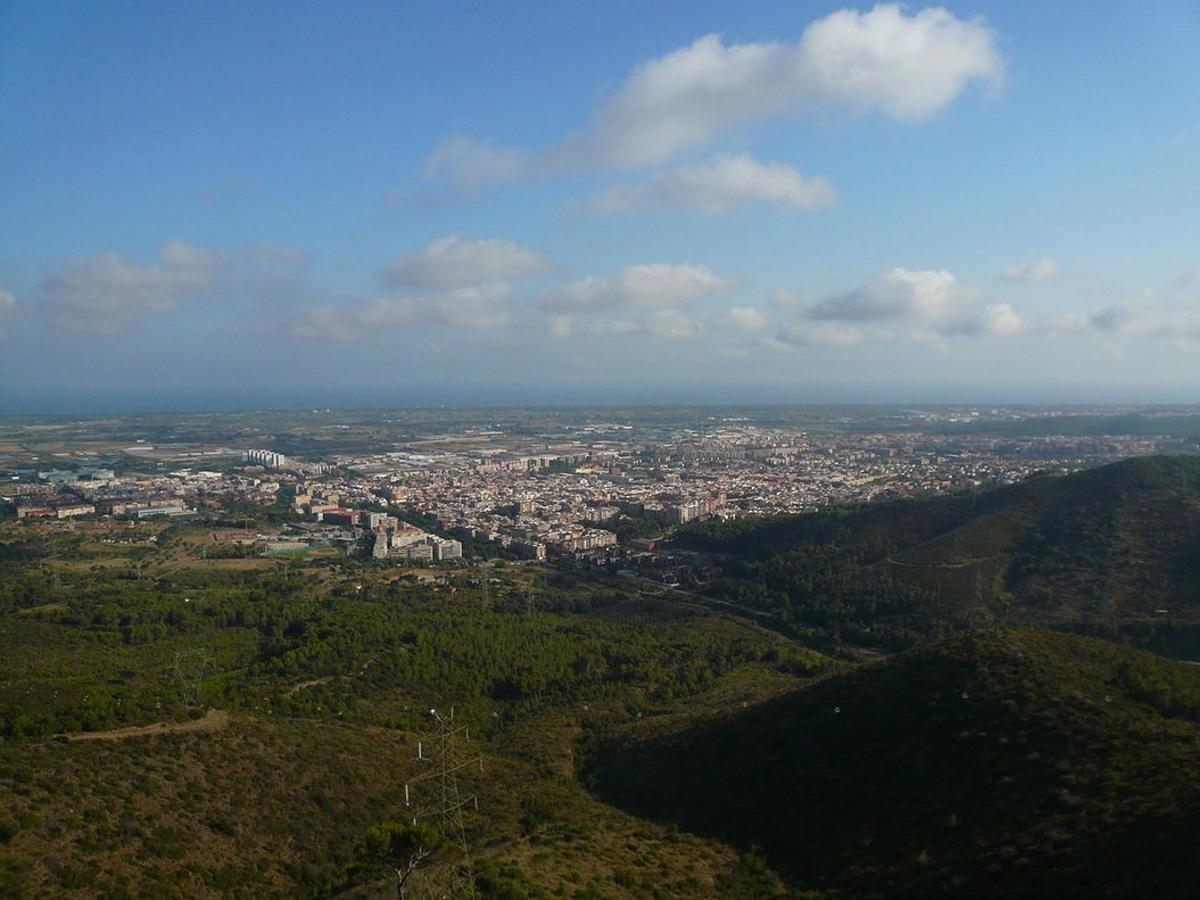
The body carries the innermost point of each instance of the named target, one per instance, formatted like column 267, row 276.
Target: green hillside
column 637, row 743
column 316, row 689
column 1113, row 550
column 1007, row 764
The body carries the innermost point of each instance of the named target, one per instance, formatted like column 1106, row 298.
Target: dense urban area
column 591, row 487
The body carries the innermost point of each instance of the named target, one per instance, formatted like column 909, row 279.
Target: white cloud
column 473, row 308
column 104, row 294
column 723, row 183
column 917, row 306
column 1181, row 326
column 107, row 294
column 901, row 294
column 994, row 320
column 1171, row 314
column 482, row 306
column 620, row 326
column 470, row 165
column 185, row 260
column 1034, row 272
column 671, row 323
column 1134, row 317
column 816, row 334
column 349, row 323
column 458, row 260
column 1186, row 288
column 1001, row 320
column 1069, row 323
column 908, row 66
column 8, row 306
column 663, row 323
column 561, row 326
column 1128, row 317
column 647, row 286
column 682, row 100
column 742, row 318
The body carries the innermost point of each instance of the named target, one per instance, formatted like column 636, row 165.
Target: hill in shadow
column 1002, row 764
column 1113, row 550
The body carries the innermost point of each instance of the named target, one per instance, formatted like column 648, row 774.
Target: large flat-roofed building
column 68, row 510
column 446, row 548
column 268, row 458
column 33, row 509
column 149, row 512
column 405, row 535
column 53, row 509
column 398, row 540
column 15, row 489
column 414, row 551
column 337, row 516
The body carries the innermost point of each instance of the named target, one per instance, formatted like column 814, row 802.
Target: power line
column 444, row 757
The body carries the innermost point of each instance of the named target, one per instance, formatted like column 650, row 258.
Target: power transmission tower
column 190, row 668
column 444, row 757
column 531, row 595
column 535, row 593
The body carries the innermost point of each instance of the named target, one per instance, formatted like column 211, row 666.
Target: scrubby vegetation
column 1112, row 551
column 1004, row 764
column 636, row 743
column 326, row 670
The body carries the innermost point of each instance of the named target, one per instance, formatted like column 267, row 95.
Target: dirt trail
column 295, row 688
column 213, row 720
column 965, row 563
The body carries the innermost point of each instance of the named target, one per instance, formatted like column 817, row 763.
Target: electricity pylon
column 535, row 592
column 190, row 668
column 441, row 752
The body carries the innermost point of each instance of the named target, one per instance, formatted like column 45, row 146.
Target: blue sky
column 211, row 204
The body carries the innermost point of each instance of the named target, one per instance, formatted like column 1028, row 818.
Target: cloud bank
column 650, row 286
column 473, row 308
column 742, row 318
column 1034, row 272
column 721, row 184
column 106, row 294
column 471, row 165
column 1171, row 313
column 458, row 260
column 921, row 305
column 907, row 66
column 901, row 294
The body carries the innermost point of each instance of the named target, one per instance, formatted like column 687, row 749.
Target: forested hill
column 1112, row 550
column 1005, row 764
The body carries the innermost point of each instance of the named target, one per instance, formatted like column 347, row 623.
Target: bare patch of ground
column 213, row 720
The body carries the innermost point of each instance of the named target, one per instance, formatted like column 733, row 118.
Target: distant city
column 597, row 486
